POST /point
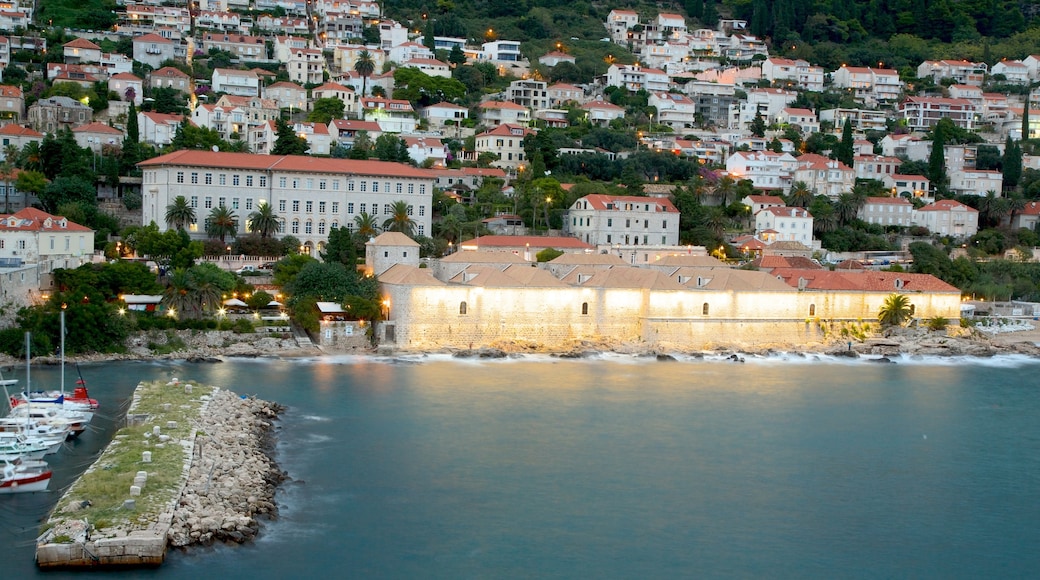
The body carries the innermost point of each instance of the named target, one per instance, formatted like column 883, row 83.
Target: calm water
column 616, row 468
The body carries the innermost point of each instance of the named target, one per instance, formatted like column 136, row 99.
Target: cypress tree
column 845, row 151
column 1012, row 163
column 1025, row 118
column 937, row 157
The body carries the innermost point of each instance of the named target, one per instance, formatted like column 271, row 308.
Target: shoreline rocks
column 233, row 475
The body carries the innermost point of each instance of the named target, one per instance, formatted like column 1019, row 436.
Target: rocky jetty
column 193, row 465
column 233, row 474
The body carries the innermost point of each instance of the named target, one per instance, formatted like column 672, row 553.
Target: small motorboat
column 25, row 476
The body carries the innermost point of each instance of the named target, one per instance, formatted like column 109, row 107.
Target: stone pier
column 151, row 487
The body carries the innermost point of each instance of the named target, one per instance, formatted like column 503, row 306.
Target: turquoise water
column 625, row 468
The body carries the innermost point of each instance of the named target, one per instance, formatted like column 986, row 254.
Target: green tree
column 390, row 147
column 222, row 222
column 340, row 247
column 937, row 157
column 758, row 126
column 1012, row 163
column 364, row 66
column 400, row 219
column 361, row 147
column 325, row 110
column 180, row 214
column 264, row 221
column 366, row 225
column 287, row 141
column 800, row 196
column 66, row 189
column 895, row 311
column 845, row 152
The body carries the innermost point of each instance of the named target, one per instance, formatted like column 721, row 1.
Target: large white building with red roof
column 887, row 211
column 948, row 218
column 604, row 220
column 310, row 195
column 506, row 141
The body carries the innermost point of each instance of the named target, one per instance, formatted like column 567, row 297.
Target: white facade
column 975, row 181
column 767, row 170
column 603, row 220
column 784, row 224
column 948, row 218
column 310, row 196
column 887, row 211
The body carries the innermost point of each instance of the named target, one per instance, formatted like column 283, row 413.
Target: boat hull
column 26, row 483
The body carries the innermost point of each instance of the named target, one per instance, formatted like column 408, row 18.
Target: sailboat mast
column 63, row 352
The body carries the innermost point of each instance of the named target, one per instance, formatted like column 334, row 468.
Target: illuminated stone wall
column 430, row 317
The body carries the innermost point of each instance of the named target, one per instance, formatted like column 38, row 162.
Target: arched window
column 704, row 309
column 812, row 310
column 584, row 307
column 462, row 307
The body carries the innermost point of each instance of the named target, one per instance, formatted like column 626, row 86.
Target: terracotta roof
column 392, row 239
column 291, row 163
column 631, row 277
column 535, row 242
column 152, row 37
column 32, row 219
column 125, row 76
column 169, row 71
column 10, row 91
column 483, row 257
column 502, row 105
column 599, row 201
column 798, row 212
column 864, row 281
column 407, row 274
column 96, row 127
column 785, row 262
column 81, row 43
column 948, row 205
column 19, row 131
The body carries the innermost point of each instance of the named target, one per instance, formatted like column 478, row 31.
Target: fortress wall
column 431, row 317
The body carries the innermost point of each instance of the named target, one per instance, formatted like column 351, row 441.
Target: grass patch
column 107, row 483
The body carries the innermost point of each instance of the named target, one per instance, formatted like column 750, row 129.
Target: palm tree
column 364, row 66
column 399, row 220
column 716, row 221
column 221, row 223
column 846, row 208
column 205, row 287
column 179, row 213
column 801, row 195
column 264, row 221
column 366, row 225
column 895, row 311
column 178, row 294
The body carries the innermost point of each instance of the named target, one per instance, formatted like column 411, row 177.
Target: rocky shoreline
column 233, row 474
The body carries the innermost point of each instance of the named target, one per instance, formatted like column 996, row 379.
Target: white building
column 948, row 218
column 796, row 72
column 309, row 195
column 784, row 224
column 635, row 78
column 243, row 83
column 602, row 220
column 34, row 236
column 765, row 169
column 975, row 181
column 674, row 109
column 887, row 211
column 824, row 176
column 506, row 141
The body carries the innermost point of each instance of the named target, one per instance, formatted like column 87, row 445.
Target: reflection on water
column 623, row 467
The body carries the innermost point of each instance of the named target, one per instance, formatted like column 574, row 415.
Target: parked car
column 246, row 269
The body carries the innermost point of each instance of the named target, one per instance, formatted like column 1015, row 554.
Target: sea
column 613, row 466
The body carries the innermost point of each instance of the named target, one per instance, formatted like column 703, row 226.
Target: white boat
column 21, row 476
column 19, row 447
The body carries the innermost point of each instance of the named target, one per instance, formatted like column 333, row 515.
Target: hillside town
column 331, row 117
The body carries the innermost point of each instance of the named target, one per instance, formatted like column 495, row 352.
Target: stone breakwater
column 193, row 465
column 233, row 474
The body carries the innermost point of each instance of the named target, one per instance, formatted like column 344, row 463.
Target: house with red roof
column 31, row 235
column 169, row 77
column 158, row 128
column 287, row 95
column 1027, row 217
column 605, row 220
column 392, row 115
column 824, row 175
column 493, row 113
column 81, row 50
column 12, row 103
column 18, row 137
column 507, row 142
column 97, row 136
column 947, row 217
column 345, row 131
column 346, row 95
column 774, row 224
column 758, row 203
column 602, row 113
